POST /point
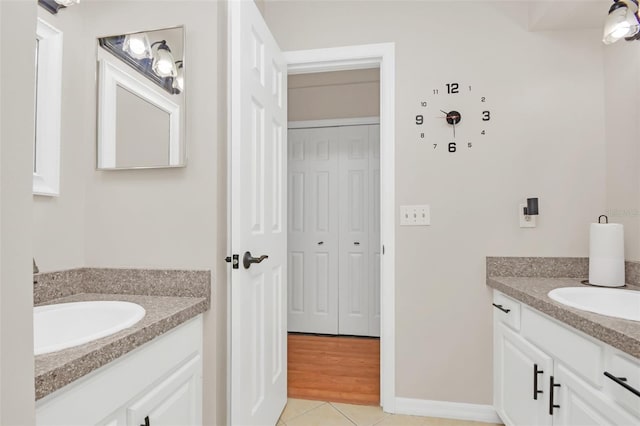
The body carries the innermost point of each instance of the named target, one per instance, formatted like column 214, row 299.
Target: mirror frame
column 112, row 74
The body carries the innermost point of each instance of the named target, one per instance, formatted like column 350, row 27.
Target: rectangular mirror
column 141, row 100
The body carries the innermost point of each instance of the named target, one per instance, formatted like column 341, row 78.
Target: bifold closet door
column 359, row 270
column 313, row 230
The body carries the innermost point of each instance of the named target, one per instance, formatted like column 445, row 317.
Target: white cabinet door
column 173, row 401
column 520, row 372
column 355, row 219
column 582, row 405
column 313, row 230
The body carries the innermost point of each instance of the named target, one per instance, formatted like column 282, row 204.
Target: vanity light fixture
column 622, row 22
column 53, row 6
column 178, row 81
column 137, row 46
column 163, row 62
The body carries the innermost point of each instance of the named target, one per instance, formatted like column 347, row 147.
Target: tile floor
column 300, row 412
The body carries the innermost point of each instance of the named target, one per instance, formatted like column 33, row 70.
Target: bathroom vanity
column 149, row 373
column 555, row 365
column 161, row 380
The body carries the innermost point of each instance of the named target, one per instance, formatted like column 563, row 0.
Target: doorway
column 380, row 56
column 333, row 249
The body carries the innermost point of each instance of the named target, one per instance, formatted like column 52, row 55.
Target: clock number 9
column 419, row 120
column 452, row 147
column 486, row 115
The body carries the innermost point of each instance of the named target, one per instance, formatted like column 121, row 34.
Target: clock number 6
column 486, row 115
column 452, row 147
column 419, row 120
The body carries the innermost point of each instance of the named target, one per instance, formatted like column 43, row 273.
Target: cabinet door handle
column 146, row 422
column 552, row 386
column 621, row 381
column 535, row 381
column 506, row 311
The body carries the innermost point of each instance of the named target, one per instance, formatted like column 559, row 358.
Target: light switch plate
column 524, row 223
column 415, row 215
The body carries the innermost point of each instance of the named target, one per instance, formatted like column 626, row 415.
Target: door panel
column 581, row 404
column 258, row 152
column 313, row 232
column 374, row 231
column 356, row 218
column 334, row 205
column 172, row 401
column 514, row 363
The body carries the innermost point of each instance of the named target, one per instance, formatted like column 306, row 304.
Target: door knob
column 247, row 259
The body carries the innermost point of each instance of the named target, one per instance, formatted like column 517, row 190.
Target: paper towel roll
column 606, row 254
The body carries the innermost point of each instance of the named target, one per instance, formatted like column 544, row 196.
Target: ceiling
column 567, row 14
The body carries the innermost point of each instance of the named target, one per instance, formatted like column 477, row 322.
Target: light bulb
column 137, row 45
column 163, row 64
column 621, row 22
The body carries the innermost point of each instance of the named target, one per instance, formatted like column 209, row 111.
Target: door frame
column 365, row 56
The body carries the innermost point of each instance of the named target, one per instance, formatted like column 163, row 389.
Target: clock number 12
column 452, row 88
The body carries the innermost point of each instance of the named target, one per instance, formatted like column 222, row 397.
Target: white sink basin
column 61, row 326
column 617, row 303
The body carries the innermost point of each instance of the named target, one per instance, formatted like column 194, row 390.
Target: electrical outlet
column 524, row 223
column 415, row 215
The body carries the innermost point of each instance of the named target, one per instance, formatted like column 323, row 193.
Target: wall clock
column 453, row 118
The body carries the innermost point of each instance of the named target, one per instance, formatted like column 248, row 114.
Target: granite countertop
column 619, row 333
column 169, row 298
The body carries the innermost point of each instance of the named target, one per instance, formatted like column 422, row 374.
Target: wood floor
column 334, row 368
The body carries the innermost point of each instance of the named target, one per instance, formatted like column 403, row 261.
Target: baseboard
column 447, row 410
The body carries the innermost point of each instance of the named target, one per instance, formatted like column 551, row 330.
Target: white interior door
column 313, row 230
column 258, row 358
column 357, row 278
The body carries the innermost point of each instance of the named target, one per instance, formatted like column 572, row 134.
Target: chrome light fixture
column 622, row 21
column 163, row 63
column 53, row 6
column 137, row 45
column 178, row 81
column 67, row 3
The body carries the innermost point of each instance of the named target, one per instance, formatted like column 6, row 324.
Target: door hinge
column 234, row 260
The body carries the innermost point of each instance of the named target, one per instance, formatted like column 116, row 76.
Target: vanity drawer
column 506, row 310
column 567, row 345
column 619, row 365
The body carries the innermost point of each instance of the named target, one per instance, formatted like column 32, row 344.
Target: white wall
column 546, row 140
column 337, row 94
column 622, row 114
column 17, row 72
column 58, row 222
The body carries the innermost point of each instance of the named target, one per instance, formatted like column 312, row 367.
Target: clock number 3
column 486, row 115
